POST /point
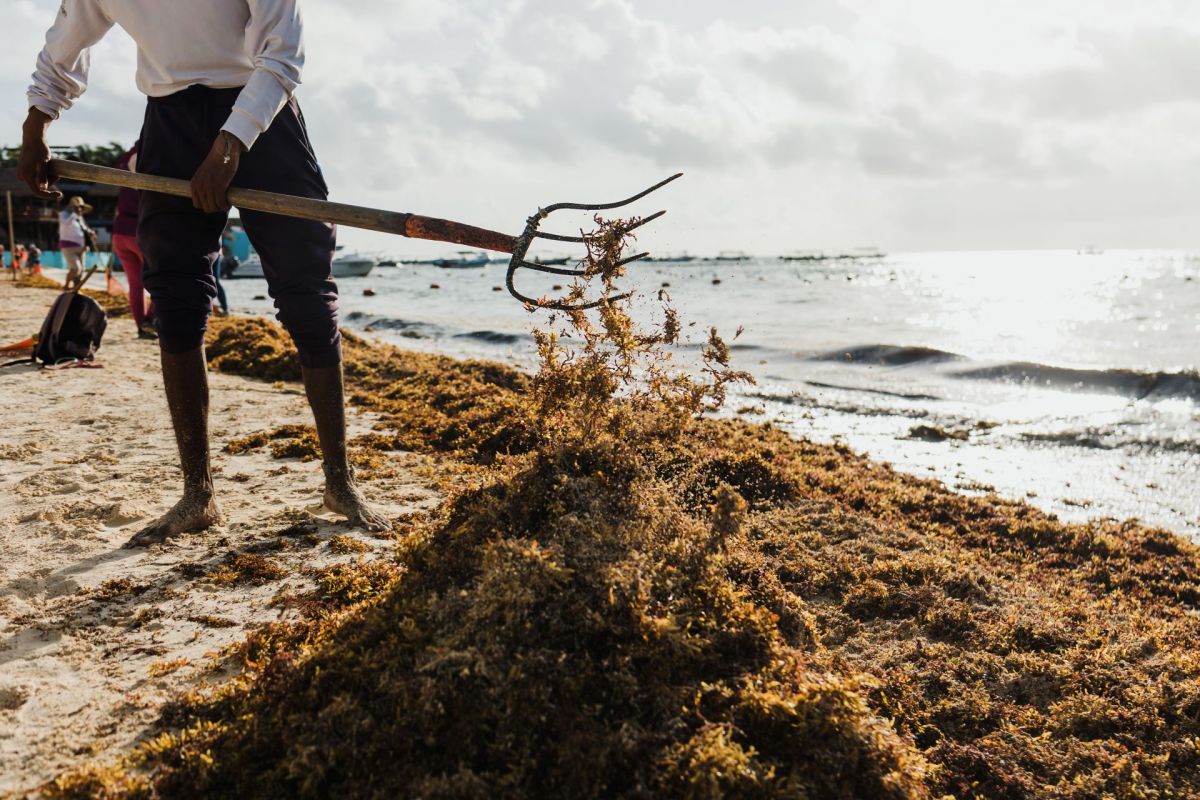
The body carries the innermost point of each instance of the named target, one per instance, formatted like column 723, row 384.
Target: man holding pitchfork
column 220, row 76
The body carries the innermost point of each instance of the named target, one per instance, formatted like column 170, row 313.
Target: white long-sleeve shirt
column 257, row 44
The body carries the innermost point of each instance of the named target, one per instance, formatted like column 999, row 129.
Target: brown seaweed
column 630, row 599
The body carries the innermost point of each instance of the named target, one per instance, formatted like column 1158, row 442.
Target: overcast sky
column 805, row 124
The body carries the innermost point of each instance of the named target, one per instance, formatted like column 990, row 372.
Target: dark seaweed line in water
column 1089, row 439
column 808, row 401
column 883, row 392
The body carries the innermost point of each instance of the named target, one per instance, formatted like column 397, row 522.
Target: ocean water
column 1070, row 380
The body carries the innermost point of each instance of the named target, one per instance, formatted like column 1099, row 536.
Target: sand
column 95, row 638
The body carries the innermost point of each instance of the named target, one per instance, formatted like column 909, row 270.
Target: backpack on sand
column 72, row 330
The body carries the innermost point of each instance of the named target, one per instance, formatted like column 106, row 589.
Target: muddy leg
column 324, row 388
column 185, row 376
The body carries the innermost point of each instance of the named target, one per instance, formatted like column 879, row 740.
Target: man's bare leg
column 185, row 376
column 323, row 385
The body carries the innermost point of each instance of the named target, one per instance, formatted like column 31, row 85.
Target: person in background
column 222, row 267
column 73, row 238
column 126, row 247
column 35, row 259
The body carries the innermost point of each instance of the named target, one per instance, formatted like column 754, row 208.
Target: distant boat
column 352, row 265
column 732, row 255
column 348, row 265
column 464, row 259
column 804, row 255
column 1090, row 250
column 860, row 254
column 388, row 262
column 551, row 261
column 674, row 258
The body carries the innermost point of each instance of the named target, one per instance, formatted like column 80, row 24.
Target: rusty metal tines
column 532, row 232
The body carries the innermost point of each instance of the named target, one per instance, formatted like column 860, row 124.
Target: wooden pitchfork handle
column 413, row 226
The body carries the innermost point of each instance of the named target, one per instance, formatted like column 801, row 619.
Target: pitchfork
column 410, row 225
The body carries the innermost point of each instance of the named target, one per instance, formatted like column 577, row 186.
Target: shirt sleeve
column 62, row 67
column 275, row 43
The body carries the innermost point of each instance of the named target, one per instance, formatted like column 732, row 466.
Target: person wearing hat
column 73, row 237
column 221, row 77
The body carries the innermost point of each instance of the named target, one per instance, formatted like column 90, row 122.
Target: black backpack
column 72, row 330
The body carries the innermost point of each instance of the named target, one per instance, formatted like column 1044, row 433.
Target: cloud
column 1118, row 73
column 842, row 113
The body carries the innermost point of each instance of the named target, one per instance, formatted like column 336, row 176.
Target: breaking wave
column 1129, row 383
column 1134, row 384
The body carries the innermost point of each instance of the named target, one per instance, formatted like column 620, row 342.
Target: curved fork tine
column 575, row 273
column 524, row 241
column 632, row 259
column 608, row 206
column 570, row 273
column 558, row 305
column 583, row 239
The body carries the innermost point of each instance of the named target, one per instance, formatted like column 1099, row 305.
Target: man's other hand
column 210, row 184
column 33, row 166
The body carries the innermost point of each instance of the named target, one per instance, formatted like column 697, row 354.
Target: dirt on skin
column 648, row 604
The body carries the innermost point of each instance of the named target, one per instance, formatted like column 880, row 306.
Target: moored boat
column 673, row 258
column 551, row 260
column 464, row 259
column 352, row 265
column 348, row 265
column 804, row 255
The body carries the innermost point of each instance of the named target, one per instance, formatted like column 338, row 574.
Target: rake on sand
column 413, row 226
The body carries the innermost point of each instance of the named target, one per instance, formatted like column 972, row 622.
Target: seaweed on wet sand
column 345, row 545
column 253, row 569
column 629, row 599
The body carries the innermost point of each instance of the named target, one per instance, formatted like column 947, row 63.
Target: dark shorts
column 180, row 243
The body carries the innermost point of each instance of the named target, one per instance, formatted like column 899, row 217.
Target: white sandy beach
column 86, row 458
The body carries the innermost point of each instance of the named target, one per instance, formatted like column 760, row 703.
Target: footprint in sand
column 122, row 514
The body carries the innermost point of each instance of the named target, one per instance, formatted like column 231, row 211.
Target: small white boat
column 352, row 265
column 250, row 268
column 674, row 258
column 348, row 265
column 551, row 260
column 464, row 259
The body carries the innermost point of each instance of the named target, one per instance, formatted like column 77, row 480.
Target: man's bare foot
column 344, row 497
column 192, row 513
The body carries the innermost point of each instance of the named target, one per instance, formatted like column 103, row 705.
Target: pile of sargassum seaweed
column 666, row 606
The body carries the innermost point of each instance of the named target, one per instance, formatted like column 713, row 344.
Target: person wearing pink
column 125, row 245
